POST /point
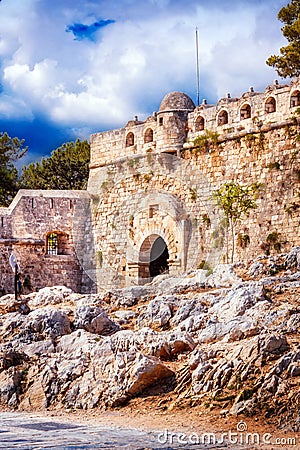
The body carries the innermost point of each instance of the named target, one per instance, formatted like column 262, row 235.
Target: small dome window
column 222, row 118
column 295, row 99
column 270, row 105
column 199, row 124
column 148, row 137
column 129, row 139
column 245, row 112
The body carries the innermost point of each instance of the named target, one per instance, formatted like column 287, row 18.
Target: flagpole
column 197, row 68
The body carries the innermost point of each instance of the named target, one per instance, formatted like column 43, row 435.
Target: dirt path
column 137, row 428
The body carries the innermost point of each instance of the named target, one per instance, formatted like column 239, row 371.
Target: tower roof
column 176, row 101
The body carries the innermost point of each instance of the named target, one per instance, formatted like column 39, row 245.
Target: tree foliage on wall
column 235, row 200
column 66, row 168
column 287, row 64
column 11, row 150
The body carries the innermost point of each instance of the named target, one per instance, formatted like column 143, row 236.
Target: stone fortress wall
column 148, row 204
column 24, row 228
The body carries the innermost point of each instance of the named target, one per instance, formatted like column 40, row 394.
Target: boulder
column 95, row 320
column 238, row 300
column 48, row 321
column 159, row 311
column 49, row 296
column 292, row 259
column 274, row 344
column 147, row 371
column 131, row 295
column 223, row 276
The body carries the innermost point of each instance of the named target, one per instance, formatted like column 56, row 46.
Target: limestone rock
column 292, row 259
column 49, row 296
column 49, row 321
column 274, row 344
column 147, row 371
column 159, row 311
column 130, row 296
column 228, row 339
column 238, row 300
column 10, row 386
column 223, row 276
column 9, row 304
column 40, row 348
column 257, row 269
column 240, row 407
column 94, row 320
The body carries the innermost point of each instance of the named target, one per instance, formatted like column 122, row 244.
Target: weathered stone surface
column 239, row 299
column 49, row 296
column 94, row 320
column 9, row 304
column 49, row 321
column 223, row 276
column 159, row 311
column 129, row 296
column 292, row 260
column 234, row 345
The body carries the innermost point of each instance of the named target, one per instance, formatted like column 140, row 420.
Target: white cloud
column 14, row 107
column 135, row 61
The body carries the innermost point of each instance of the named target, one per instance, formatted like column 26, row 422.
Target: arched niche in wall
column 295, row 99
column 245, row 111
column 148, row 136
column 270, row 105
column 129, row 139
column 222, row 117
column 199, row 123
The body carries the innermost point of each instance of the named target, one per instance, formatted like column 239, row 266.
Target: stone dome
column 176, row 101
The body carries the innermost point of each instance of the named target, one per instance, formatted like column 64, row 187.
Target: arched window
column 222, row 118
column 245, row 112
column 129, row 139
column 295, row 99
column 270, row 105
column 148, row 137
column 57, row 243
column 199, row 124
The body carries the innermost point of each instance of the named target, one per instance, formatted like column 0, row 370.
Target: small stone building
column 148, row 208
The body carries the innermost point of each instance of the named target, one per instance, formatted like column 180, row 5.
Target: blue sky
column 71, row 68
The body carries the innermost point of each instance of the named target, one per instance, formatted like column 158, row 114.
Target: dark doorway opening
column 159, row 256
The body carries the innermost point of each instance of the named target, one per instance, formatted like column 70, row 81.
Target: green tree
column 235, row 200
column 287, row 64
column 11, row 150
column 66, row 168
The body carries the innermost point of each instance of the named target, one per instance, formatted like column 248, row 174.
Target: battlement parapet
column 179, row 121
column 249, row 113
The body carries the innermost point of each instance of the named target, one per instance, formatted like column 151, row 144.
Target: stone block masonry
column 148, row 208
column 27, row 224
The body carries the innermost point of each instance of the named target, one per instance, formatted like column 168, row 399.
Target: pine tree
column 11, row 150
column 66, row 168
column 287, row 64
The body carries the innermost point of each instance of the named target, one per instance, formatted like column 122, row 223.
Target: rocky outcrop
column 217, row 340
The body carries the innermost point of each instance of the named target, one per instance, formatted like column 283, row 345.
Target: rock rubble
column 229, row 341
